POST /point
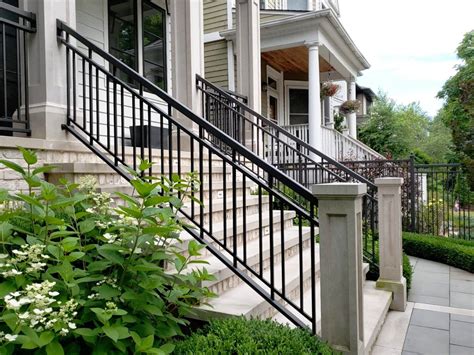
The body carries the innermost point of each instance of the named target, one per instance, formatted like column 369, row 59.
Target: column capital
column 389, row 181
column 339, row 190
column 312, row 44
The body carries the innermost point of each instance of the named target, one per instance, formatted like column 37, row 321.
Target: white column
column 340, row 230
column 187, row 51
column 351, row 118
column 248, row 51
column 390, row 240
column 47, row 68
column 314, row 105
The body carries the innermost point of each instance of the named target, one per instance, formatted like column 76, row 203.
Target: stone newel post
column 340, row 228
column 390, row 240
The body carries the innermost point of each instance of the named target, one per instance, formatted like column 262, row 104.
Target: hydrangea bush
column 82, row 276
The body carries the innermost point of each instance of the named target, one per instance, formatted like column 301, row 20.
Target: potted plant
column 329, row 89
column 349, row 106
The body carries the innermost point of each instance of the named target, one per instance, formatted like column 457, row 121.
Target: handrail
column 242, row 150
column 284, row 132
column 202, row 154
column 29, row 16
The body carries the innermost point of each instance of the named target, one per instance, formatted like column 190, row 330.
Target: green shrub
column 454, row 252
column 241, row 336
column 407, row 270
column 79, row 276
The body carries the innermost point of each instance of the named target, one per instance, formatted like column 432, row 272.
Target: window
column 298, row 106
column 142, row 49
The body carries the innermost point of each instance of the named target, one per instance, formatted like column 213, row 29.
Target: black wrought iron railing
column 436, row 198
column 115, row 120
column 15, row 25
column 286, row 152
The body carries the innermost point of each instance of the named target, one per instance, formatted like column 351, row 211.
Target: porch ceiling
column 293, row 60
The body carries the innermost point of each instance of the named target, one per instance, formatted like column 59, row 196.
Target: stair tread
column 242, row 300
column 291, row 235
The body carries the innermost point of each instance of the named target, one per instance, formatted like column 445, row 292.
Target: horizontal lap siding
column 92, row 25
column 215, row 63
column 215, row 15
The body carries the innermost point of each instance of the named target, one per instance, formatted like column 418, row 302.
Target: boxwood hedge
column 454, row 252
column 242, row 336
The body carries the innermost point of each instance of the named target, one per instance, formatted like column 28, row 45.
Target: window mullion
column 140, row 37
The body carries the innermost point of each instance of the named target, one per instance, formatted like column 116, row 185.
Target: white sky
column 410, row 44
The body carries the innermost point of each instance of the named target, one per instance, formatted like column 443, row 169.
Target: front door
column 9, row 92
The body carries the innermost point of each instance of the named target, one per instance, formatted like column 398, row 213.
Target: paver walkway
column 439, row 319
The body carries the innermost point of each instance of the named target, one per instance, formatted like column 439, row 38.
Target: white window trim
column 278, row 93
column 291, row 84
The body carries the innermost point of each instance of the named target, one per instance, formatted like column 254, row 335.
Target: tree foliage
column 458, row 110
column 396, row 131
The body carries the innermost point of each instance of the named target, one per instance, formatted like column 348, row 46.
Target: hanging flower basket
column 349, row 106
column 329, row 89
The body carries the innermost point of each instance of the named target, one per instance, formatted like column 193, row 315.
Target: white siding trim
column 212, row 37
column 230, row 65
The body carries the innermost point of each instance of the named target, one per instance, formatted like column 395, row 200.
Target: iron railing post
column 413, row 194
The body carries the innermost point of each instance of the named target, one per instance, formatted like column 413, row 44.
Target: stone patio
column 439, row 318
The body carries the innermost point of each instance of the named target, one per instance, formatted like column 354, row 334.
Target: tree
column 395, row 130
column 458, row 108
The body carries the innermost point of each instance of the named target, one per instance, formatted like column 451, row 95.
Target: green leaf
column 167, row 348
column 146, row 343
column 13, row 166
column 111, row 332
column 75, row 256
column 111, row 255
column 156, row 200
column 143, row 188
column 107, row 292
column 87, row 332
column 43, row 169
column 152, row 309
column 131, row 211
column 127, row 198
column 55, row 251
column 69, row 243
column 86, row 226
column 45, row 338
column 102, row 315
column 30, row 200
column 28, row 155
column 100, row 265
column 54, row 348
column 48, row 191
column 5, row 231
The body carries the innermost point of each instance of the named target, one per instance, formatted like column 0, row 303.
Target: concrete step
column 252, row 230
column 226, row 279
column 243, row 300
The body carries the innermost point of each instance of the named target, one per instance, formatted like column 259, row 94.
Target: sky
column 410, row 44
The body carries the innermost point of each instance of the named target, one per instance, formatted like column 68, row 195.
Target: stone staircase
column 235, row 297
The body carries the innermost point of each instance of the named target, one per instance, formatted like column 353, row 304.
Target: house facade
column 98, row 86
column 303, row 45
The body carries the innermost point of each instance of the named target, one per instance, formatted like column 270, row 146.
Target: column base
column 399, row 291
column 46, row 121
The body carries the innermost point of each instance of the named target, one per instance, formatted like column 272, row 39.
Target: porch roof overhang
column 322, row 27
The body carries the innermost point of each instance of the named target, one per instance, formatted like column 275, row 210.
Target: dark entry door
column 9, row 70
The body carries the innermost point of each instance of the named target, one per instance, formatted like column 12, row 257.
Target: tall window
column 142, row 48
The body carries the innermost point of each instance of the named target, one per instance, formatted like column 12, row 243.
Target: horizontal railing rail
column 15, row 25
column 101, row 105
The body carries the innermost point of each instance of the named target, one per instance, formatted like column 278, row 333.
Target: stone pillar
column 340, row 229
column 390, row 240
column 187, row 52
column 248, row 51
column 314, row 104
column 351, row 118
column 47, row 68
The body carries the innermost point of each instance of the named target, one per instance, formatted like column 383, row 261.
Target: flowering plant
column 329, row 89
column 82, row 276
column 349, row 106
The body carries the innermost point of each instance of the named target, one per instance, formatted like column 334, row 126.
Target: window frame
column 139, row 38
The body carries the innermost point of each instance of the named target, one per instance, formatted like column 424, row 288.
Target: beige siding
column 215, row 15
column 215, row 63
column 265, row 17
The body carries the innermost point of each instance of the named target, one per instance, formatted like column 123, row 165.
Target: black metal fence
column 15, row 24
column 436, row 198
